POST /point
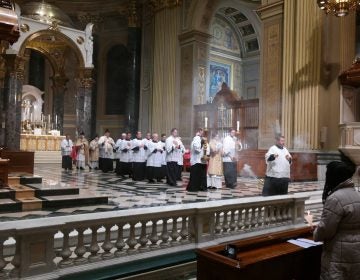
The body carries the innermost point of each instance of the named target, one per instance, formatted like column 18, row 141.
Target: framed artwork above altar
column 219, row 73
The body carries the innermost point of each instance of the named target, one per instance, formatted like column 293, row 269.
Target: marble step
column 22, row 191
column 9, row 205
column 47, row 157
column 30, row 203
column 13, row 180
column 7, row 193
column 61, row 201
column 24, row 178
column 47, row 189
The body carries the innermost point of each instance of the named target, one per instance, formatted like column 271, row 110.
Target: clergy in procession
column 163, row 164
column 106, row 151
column 155, row 159
column 215, row 169
column 94, row 153
column 125, row 159
column 82, row 152
column 148, row 139
column 180, row 163
column 172, row 146
column 139, row 155
column 118, row 152
column 66, row 148
column 199, row 151
column 230, row 148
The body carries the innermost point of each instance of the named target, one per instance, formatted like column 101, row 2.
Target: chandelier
column 339, row 8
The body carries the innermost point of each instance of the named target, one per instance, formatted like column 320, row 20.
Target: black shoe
column 96, row 168
column 159, row 181
column 77, row 167
column 151, row 181
column 82, row 168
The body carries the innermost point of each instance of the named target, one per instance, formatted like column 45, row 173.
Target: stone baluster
column 278, row 214
column 260, row 217
column 272, row 215
column 240, row 222
column 107, row 245
column 131, row 241
column 217, row 223
column 120, row 244
column 247, row 219
column 164, row 234
column 267, row 215
column 225, row 225
column 253, row 221
column 143, row 240
column 285, row 213
column 94, row 246
column 80, row 249
column 289, row 211
column 16, row 261
column 65, row 252
column 154, row 238
column 184, row 233
column 232, row 220
column 2, row 259
column 174, row 233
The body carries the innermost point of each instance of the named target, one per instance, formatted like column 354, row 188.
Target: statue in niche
column 26, row 109
column 89, row 43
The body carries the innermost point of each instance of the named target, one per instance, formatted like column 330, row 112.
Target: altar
column 31, row 142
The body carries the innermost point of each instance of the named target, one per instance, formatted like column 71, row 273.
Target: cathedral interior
column 264, row 67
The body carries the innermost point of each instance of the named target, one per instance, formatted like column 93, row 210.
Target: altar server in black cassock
column 198, row 151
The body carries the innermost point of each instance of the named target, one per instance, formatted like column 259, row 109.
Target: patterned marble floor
column 124, row 193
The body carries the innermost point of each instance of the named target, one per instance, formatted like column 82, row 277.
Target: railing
column 65, row 245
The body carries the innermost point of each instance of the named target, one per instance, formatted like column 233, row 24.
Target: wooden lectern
column 268, row 257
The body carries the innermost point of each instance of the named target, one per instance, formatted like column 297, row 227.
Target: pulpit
column 268, row 257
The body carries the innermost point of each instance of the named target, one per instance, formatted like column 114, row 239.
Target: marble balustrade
column 68, row 244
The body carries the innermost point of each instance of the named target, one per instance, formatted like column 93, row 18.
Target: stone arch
column 58, row 37
column 201, row 12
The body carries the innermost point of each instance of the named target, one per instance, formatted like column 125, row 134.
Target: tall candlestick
column 56, row 122
column 206, row 122
column 237, row 125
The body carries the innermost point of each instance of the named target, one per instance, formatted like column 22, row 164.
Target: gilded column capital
column 59, row 80
column 85, row 79
column 270, row 9
column 19, row 68
column 158, row 5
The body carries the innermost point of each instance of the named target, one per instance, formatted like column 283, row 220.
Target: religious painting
column 219, row 73
column 224, row 37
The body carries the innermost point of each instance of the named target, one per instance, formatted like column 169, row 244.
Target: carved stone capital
column 85, row 79
column 59, row 81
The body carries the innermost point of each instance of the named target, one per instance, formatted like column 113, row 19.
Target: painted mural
column 219, row 73
column 224, row 37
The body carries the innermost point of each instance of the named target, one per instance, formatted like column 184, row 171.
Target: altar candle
column 237, row 125
column 31, row 117
column 49, row 119
column 206, row 122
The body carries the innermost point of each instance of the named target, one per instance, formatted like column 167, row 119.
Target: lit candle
column 206, row 122
column 31, row 117
column 237, row 125
column 49, row 119
column 55, row 121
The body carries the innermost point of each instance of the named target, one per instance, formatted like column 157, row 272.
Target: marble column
column 59, row 90
column 132, row 106
column 194, row 58
column 301, row 74
column 2, row 100
column 13, row 95
column 83, row 103
column 271, row 15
